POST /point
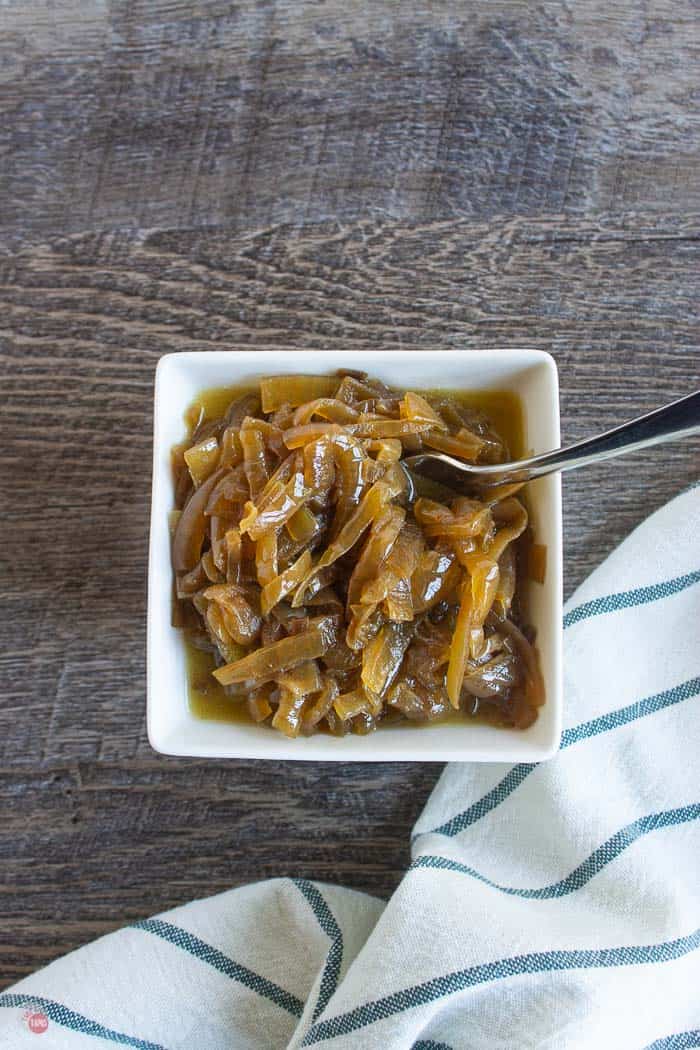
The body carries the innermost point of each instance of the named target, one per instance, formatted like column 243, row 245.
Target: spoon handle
column 676, row 420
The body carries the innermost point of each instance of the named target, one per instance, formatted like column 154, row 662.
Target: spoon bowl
column 676, row 420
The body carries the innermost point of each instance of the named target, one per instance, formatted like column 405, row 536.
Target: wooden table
column 181, row 175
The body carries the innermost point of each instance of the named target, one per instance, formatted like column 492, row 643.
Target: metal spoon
column 676, row 420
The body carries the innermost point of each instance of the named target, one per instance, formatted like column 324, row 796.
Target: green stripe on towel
column 206, row 953
column 532, row 963
column 605, row 723
column 601, row 857
column 67, row 1018
column 327, row 922
column 628, row 599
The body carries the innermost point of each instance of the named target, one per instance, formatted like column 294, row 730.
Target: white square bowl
column 174, row 730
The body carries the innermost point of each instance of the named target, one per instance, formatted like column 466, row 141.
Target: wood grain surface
column 186, row 175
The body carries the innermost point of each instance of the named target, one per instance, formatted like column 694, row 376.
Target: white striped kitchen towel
column 550, row 906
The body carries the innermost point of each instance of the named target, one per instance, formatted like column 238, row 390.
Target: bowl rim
column 322, row 747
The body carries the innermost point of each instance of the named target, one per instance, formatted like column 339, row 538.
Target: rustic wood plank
column 177, row 113
column 191, row 174
column 90, row 846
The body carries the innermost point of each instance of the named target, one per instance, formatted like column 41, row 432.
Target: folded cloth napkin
column 550, row 906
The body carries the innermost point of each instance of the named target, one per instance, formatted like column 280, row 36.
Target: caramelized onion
column 329, row 600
